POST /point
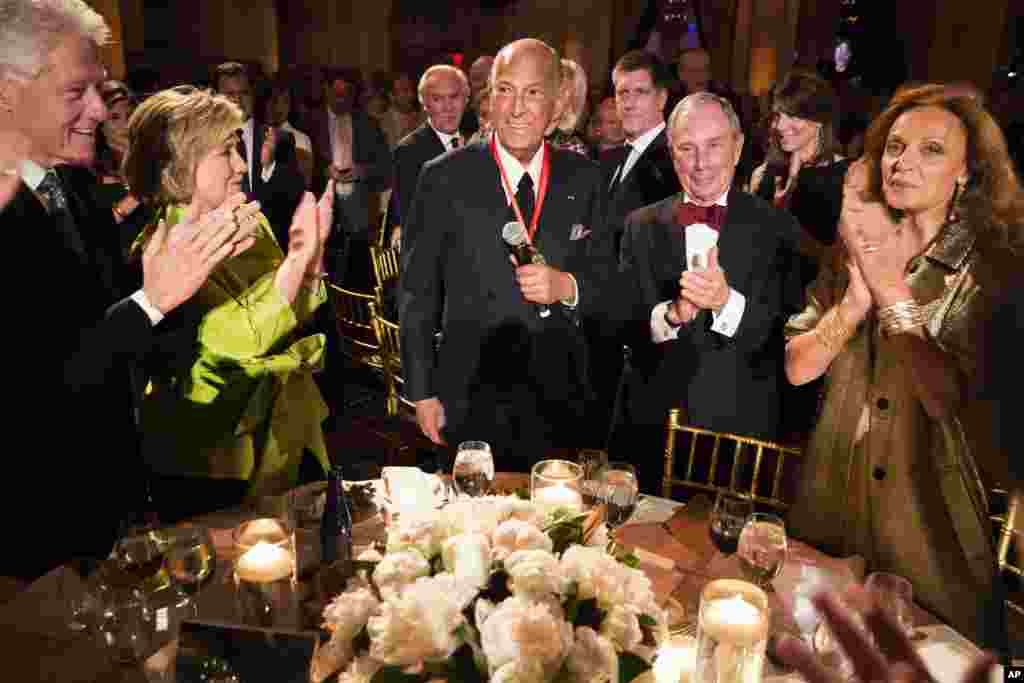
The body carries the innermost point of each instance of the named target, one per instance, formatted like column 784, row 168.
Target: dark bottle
column 336, row 524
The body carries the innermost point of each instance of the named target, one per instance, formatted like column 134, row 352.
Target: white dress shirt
column 32, row 175
column 724, row 321
column 514, row 171
column 638, row 147
column 446, row 138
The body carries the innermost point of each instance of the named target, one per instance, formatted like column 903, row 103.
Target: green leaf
column 630, row 560
column 647, row 620
column 588, row 614
column 394, row 674
column 462, row 667
column 630, row 666
column 522, row 493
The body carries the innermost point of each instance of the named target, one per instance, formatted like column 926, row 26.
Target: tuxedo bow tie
column 689, row 213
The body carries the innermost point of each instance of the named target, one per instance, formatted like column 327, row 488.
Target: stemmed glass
column 619, row 492
column 473, row 471
column 896, row 595
column 762, row 548
column 189, row 561
column 728, row 516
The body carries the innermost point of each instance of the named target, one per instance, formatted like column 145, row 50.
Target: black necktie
column 455, row 142
column 53, row 192
column 524, row 197
column 617, row 178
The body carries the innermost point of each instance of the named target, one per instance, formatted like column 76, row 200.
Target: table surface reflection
column 675, row 551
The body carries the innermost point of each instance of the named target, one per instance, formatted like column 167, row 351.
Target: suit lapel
column 552, row 237
column 736, row 241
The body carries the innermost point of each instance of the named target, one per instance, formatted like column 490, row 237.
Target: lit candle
column 559, row 495
column 261, row 531
column 264, row 563
column 676, row 660
column 735, row 621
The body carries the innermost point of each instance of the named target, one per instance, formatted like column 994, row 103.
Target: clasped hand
column 702, row 288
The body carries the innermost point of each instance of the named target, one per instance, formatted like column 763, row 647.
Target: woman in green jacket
column 232, row 411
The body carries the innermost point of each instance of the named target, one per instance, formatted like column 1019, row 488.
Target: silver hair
column 441, row 68
column 687, row 104
column 31, row 29
column 554, row 65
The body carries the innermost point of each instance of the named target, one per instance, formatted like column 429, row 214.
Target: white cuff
column 661, row 331
column 727, row 320
column 155, row 316
column 575, row 300
column 268, row 172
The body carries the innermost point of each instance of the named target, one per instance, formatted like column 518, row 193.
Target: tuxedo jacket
column 280, row 195
column 369, row 149
column 456, row 275
column 74, row 403
column 728, row 384
column 651, row 179
column 414, row 150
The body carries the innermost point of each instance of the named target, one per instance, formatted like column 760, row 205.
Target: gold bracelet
column 832, row 330
column 902, row 317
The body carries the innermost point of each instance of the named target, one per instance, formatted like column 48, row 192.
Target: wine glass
column 139, row 558
column 473, row 471
column 762, row 548
column 592, row 460
column 728, row 516
column 189, row 561
column 895, row 595
column 619, row 491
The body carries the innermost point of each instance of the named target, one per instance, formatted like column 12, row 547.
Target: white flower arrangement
column 494, row 589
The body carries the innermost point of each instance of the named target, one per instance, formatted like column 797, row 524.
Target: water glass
column 762, row 548
column 895, row 595
column 592, row 460
column 728, row 516
column 620, row 491
column 81, row 593
column 473, row 471
column 732, row 632
column 189, row 560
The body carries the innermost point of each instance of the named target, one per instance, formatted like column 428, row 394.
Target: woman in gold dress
column 895, row 321
column 233, row 411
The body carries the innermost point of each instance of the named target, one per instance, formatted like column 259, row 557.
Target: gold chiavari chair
column 1008, row 554
column 385, row 269
column 721, row 462
column 353, row 316
column 391, row 355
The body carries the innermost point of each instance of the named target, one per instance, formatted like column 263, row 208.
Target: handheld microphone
column 514, row 235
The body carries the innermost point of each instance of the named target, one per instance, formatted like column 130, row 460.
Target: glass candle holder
column 557, row 484
column 732, row 632
column 265, row 571
column 675, row 660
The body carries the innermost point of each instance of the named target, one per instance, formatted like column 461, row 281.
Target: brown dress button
column 878, row 473
column 883, row 404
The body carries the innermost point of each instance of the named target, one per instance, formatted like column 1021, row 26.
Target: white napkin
column 700, row 239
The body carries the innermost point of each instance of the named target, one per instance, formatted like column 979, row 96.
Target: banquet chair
column 353, row 313
column 729, row 463
column 1008, row 553
column 391, row 357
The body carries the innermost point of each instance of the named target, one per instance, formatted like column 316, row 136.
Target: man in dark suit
column 349, row 147
column 443, row 93
column 78, row 317
column 274, row 177
column 717, row 327
column 642, row 174
column 504, row 373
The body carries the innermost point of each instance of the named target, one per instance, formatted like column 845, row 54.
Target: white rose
column 399, row 569
column 521, row 629
column 347, row 614
column 513, row 507
column 471, row 516
column 421, row 623
column 585, row 566
column 423, row 533
column 361, row 670
column 622, row 628
column 521, row 671
column 534, row 573
column 468, row 557
column 513, row 535
column 330, row 657
column 592, row 657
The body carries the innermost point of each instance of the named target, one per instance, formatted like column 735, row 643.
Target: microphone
column 514, row 235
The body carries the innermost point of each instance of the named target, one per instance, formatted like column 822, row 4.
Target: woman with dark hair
column 896, row 322
column 112, row 191
column 803, row 171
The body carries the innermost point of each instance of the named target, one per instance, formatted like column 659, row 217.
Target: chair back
column 391, row 356
column 721, row 462
column 1008, row 551
column 353, row 315
column 385, row 268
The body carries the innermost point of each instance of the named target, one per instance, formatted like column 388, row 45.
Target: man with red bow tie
column 712, row 268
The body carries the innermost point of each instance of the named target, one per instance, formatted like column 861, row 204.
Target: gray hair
column 441, row 68
column 31, row 29
column 688, row 103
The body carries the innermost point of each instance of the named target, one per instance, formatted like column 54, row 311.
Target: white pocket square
column 578, row 232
